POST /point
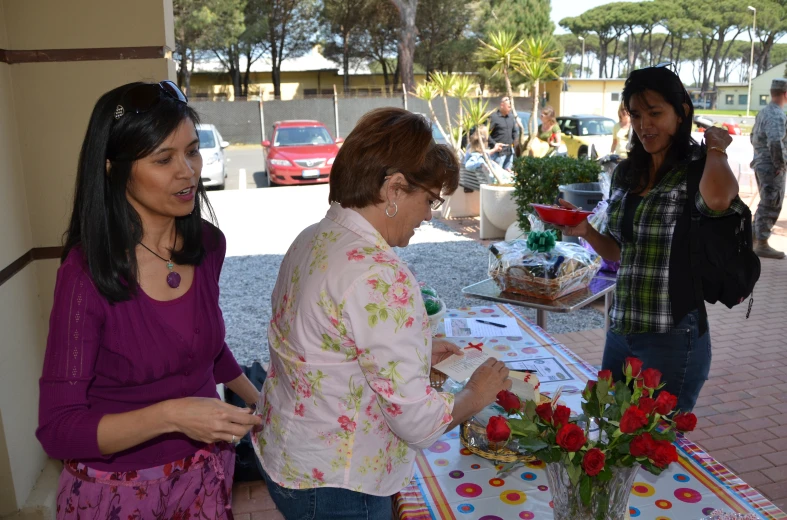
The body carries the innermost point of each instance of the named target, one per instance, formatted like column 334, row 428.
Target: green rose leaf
column 575, row 473
column 585, row 489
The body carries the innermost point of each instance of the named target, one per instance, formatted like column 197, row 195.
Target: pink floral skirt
column 199, row 486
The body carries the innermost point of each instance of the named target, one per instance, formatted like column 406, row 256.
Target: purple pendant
column 173, row 280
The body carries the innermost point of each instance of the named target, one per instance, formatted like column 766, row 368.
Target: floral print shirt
column 347, row 399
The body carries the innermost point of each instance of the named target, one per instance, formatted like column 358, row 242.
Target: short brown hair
column 386, row 141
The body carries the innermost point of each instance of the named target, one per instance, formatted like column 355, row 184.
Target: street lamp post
column 582, row 56
column 751, row 57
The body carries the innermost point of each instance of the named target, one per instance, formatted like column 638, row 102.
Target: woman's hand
column 488, row 380
column 716, row 137
column 210, row 420
column 582, row 230
column 442, row 349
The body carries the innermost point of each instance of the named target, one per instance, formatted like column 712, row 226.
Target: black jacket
column 503, row 129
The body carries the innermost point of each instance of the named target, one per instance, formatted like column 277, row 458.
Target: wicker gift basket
column 549, row 275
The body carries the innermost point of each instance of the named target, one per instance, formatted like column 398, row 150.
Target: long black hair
column 660, row 79
column 103, row 223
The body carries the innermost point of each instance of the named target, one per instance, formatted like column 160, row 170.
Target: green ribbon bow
column 541, row 241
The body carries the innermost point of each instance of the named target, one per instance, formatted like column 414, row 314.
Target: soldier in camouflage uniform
column 770, row 166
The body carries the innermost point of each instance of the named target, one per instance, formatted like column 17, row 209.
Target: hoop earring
column 396, row 210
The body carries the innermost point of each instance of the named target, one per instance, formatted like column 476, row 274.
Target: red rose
column 570, row 437
column 508, row 401
column 647, row 404
column 544, row 411
column 652, row 377
column 560, row 415
column 593, row 461
column 633, row 366
column 590, row 387
column 605, row 374
column 685, row 422
column 642, row 445
column 664, row 453
column 497, row 430
column 666, row 402
column 633, row 419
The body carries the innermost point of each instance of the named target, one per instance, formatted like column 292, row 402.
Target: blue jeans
column 328, row 503
column 681, row 355
column 505, row 161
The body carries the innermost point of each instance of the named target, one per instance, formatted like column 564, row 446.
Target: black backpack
column 723, row 264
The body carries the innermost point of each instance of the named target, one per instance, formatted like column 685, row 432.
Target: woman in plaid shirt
column 655, row 315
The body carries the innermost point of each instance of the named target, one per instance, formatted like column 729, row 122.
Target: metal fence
column 239, row 121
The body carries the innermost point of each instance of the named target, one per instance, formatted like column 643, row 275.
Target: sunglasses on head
column 141, row 98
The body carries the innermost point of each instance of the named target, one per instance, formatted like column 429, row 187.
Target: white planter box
column 461, row 204
column 498, row 210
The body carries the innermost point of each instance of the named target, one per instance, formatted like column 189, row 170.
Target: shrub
column 537, row 180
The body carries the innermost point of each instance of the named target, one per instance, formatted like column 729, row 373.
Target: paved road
column 249, row 159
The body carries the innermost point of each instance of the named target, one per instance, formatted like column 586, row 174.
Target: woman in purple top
column 136, row 337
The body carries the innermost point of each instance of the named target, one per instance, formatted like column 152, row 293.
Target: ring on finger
column 233, row 440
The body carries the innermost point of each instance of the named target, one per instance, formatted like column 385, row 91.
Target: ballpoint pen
column 491, row 323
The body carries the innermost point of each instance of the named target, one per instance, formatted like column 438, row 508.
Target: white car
column 211, row 147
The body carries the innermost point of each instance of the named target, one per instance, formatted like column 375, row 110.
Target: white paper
column 460, row 368
column 473, row 328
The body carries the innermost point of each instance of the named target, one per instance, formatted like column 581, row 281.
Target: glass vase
column 609, row 500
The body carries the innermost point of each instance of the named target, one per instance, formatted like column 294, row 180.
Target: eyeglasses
column 144, row 97
column 434, row 202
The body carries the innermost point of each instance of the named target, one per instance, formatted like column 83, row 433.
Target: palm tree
column 501, row 54
column 539, row 60
column 477, row 113
column 463, row 91
column 444, row 84
column 427, row 91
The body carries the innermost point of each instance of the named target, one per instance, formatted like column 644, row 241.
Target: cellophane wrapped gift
column 599, row 220
column 549, row 275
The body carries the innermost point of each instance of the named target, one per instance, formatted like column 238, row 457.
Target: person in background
column 136, row 337
column 770, row 166
column 479, row 141
column 503, row 130
column 620, row 133
column 655, row 316
column 549, row 131
column 347, row 401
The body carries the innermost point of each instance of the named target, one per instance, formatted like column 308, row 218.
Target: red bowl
column 561, row 216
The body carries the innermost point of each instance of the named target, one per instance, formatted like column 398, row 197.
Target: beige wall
column 44, row 109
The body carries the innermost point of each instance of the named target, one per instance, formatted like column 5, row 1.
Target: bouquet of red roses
column 622, row 426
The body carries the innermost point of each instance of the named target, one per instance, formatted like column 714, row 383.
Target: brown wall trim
column 37, row 253
column 58, row 55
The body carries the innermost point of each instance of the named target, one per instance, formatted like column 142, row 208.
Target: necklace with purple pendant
column 173, row 278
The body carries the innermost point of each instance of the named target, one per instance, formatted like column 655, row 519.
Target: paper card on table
column 460, row 368
column 481, row 327
column 547, row 369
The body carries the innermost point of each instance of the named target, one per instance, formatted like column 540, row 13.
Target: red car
column 301, row 152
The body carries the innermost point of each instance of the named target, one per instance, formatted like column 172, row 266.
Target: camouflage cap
column 779, row 84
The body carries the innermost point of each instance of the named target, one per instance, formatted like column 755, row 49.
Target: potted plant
column 591, row 460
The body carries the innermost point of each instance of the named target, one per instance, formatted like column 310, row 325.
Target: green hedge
column 537, row 180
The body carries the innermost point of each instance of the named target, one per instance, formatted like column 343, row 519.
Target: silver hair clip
column 119, row 111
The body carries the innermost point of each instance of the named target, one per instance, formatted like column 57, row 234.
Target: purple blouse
column 104, row 358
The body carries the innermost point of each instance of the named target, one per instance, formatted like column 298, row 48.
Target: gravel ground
column 439, row 256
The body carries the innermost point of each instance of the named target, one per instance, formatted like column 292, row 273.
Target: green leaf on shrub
column 585, row 488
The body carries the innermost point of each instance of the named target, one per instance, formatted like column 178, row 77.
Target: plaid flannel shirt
column 642, row 299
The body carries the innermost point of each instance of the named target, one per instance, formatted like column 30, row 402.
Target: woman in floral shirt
column 347, row 399
column 655, row 315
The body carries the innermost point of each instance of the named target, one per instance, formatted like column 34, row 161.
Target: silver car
column 211, row 147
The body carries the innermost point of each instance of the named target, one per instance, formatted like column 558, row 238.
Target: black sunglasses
column 143, row 97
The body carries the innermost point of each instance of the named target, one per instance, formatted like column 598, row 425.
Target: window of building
column 729, row 99
column 616, row 96
column 763, row 99
column 743, row 99
column 308, row 92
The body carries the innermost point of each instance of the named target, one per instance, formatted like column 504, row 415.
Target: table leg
column 541, row 318
column 607, row 305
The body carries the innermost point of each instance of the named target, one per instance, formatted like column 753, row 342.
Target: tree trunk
column 346, row 63
column 184, row 75
column 407, row 33
column 533, row 117
column 396, row 74
column 275, row 68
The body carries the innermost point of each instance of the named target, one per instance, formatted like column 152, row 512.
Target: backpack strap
column 693, row 187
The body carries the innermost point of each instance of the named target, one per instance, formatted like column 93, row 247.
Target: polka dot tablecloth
column 452, row 483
